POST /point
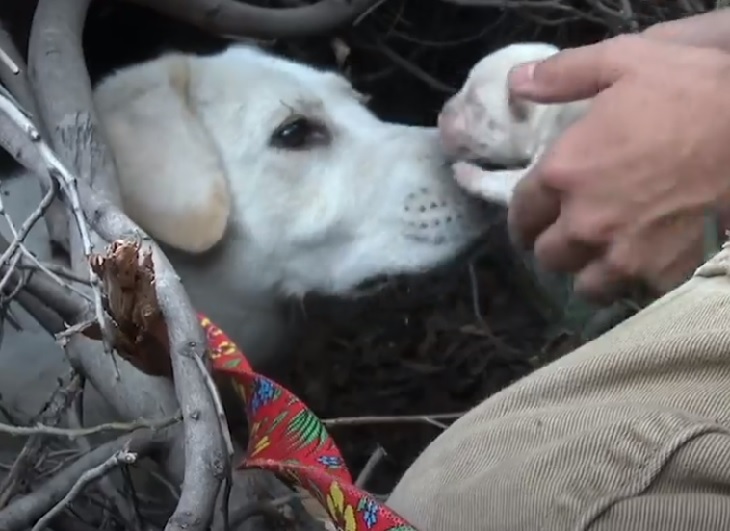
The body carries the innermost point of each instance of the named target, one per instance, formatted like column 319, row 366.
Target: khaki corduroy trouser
column 630, row 432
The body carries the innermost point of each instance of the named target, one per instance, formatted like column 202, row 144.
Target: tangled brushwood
column 409, row 358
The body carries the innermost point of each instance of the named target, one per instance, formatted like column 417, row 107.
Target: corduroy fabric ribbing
column 630, row 432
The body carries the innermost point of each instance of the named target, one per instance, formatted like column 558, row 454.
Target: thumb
column 571, row 74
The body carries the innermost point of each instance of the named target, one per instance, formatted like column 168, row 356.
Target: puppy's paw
column 492, row 186
column 469, row 176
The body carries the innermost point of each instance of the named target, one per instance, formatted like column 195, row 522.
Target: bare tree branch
column 61, row 82
column 66, row 305
column 434, row 420
column 25, row 511
column 618, row 16
column 627, row 12
column 69, row 184
column 197, row 457
column 19, row 235
column 237, row 19
column 248, row 484
column 122, row 504
column 73, row 433
column 120, row 458
column 16, row 81
column 12, row 72
column 21, row 471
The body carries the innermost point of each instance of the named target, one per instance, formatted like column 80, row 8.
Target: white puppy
column 483, row 123
column 266, row 178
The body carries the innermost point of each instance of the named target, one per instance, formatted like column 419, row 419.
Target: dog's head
column 484, row 121
column 285, row 166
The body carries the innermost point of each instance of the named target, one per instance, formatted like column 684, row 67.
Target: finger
column 574, row 74
column 556, row 251
column 662, row 276
column 532, row 209
column 600, row 282
column 664, row 258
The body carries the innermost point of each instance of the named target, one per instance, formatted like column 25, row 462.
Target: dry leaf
column 139, row 332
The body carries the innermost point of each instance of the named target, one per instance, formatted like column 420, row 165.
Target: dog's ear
column 172, row 180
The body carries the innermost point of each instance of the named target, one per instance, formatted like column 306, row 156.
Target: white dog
column 266, row 178
column 483, row 123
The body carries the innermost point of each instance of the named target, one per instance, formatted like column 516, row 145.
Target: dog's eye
column 298, row 132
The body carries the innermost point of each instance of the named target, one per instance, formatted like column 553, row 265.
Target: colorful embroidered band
column 288, row 439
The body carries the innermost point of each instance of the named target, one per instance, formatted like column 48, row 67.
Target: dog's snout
column 452, row 128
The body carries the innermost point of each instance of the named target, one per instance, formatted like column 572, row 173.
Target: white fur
column 482, row 122
column 248, row 222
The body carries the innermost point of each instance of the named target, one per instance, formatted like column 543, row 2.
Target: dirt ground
column 425, row 346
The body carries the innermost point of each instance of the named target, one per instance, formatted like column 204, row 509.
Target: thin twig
column 359, row 421
column 9, row 270
column 73, row 456
column 27, row 509
column 369, row 468
column 65, row 305
column 68, row 183
column 628, row 15
column 269, row 508
column 479, row 315
column 63, row 336
column 40, row 429
column 121, row 458
column 125, row 507
column 59, row 270
column 415, row 70
column 9, row 63
column 20, row 235
column 18, row 85
column 198, row 454
column 213, row 389
column 11, row 71
column 601, row 12
column 51, row 413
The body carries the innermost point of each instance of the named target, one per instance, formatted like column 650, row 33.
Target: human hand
column 708, row 29
column 621, row 196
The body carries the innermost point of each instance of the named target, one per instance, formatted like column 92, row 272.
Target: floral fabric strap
column 288, row 439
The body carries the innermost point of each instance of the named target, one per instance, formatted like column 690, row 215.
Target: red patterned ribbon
column 288, row 439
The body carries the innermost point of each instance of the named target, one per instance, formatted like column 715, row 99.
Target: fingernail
column 521, row 76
